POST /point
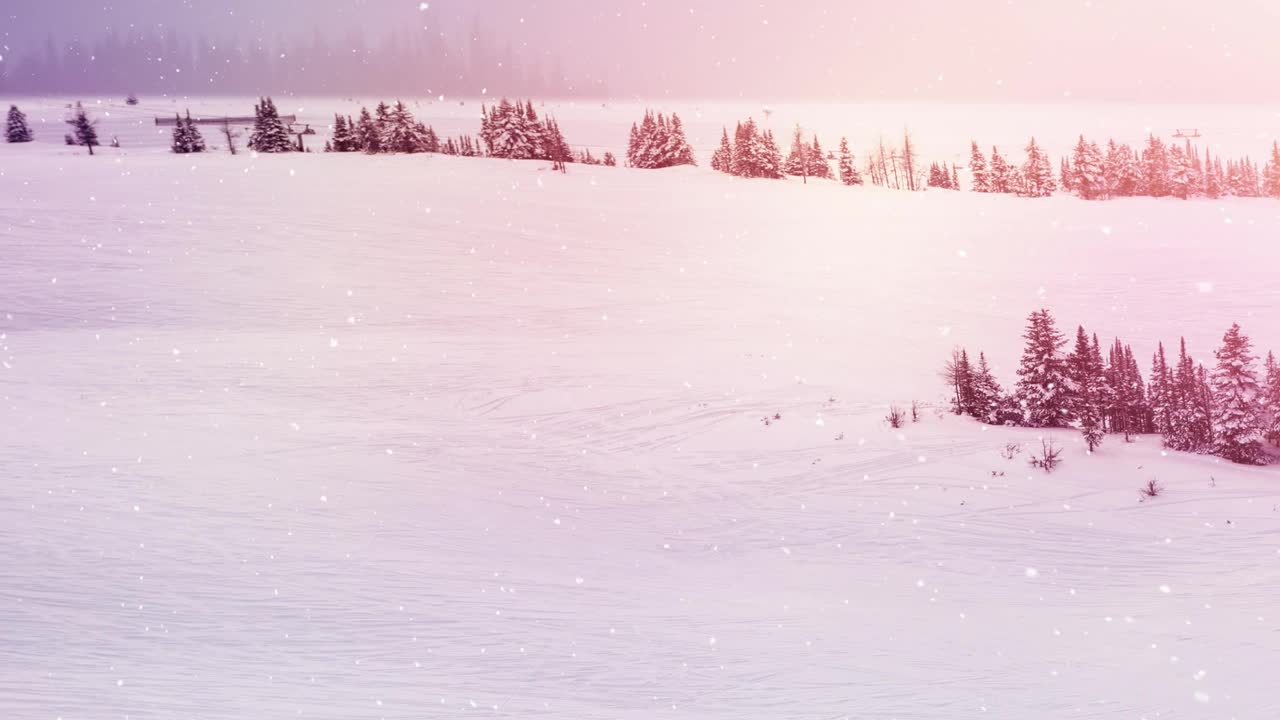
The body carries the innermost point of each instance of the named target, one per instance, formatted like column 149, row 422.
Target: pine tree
column 193, row 140
column 677, row 150
column 366, row 134
column 344, row 138
column 978, row 173
column 955, row 178
column 1271, row 401
column 722, row 159
column 179, row 144
column 798, row 158
column 399, row 131
column 1000, row 175
column 817, row 161
column 848, row 170
column 1155, row 167
column 1237, row 425
column 1043, row 389
column 1181, row 181
column 84, row 129
column 1271, row 176
column 770, row 157
column 269, row 132
column 1037, row 172
column 1088, row 180
column 1086, row 390
column 1160, row 393
column 987, row 395
column 16, row 128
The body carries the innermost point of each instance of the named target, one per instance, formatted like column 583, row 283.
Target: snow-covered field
column 401, row 437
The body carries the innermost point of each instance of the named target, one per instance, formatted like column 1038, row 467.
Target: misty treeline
column 404, row 62
column 1158, row 169
column 1230, row 409
column 752, row 152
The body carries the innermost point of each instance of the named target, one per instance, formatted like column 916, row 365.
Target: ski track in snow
column 351, row 437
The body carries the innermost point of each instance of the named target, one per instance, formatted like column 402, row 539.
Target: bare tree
column 231, row 136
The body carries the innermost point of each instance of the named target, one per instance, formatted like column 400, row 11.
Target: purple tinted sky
column 977, row 49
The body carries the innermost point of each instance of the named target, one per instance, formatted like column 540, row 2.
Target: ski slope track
column 349, row 437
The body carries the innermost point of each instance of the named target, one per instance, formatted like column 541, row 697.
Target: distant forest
column 405, row 62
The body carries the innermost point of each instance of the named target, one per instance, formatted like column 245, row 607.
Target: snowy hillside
column 351, row 437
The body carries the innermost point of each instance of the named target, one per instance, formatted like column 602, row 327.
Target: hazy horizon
column 987, row 51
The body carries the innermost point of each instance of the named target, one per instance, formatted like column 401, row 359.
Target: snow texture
column 345, row 436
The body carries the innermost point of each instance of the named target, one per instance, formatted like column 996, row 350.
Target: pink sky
column 1008, row 50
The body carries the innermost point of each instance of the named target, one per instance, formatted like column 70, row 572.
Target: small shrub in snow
column 1150, row 490
column 1050, row 456
column 896, row 417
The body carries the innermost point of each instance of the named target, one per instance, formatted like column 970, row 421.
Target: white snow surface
column 403, row 437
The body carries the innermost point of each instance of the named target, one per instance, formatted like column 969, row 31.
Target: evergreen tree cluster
column 806, row 159
column 186, row 136
column 270, row 134
column 1157, row 170
column 752, row 153
column 1230, row 410
column 389, row 129
column 943, row 178
column 1033, row 178
column 514, row 131
column 16, row 128
column 658, row 143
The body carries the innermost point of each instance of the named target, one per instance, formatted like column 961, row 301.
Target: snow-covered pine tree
column 988, row 396
column 400, row 131
column 676, row 149
column 1089, row 181
column 1189, row 425
column 633, row 147
column 1271, row 401
column 269, row 132
column 609, row 160
column 179, row 145
column 1181, row 178
column 539, row 134
column 770, row 156
column 430, row 141
column 797, row 164
column 557, row 144
column 1065, row 175
column 817, row 160
column 1155, row 167
column 344, row 137
column 955, row 178
column 722, row 158
column 1271, row 176
column 1037, row 172
column 195, row 141
column 978, row 173
column 16, row 129
column 1086, row 390
column 1043, row 389
column 1161, row 395
column 83, row 128
column 1237, row 424
column 746, row 150
column 1000, row 177
column 366, row 133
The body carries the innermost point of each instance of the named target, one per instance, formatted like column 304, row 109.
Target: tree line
column 1159, row 169
column 1229, row 410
